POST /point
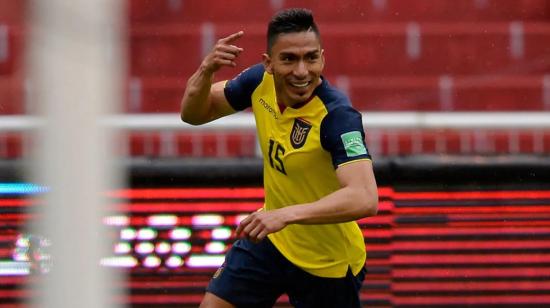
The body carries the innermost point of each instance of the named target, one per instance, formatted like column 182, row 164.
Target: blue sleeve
column 342, row 135
column 238, row 91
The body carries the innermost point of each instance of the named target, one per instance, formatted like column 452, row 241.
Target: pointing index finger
column 233, row 37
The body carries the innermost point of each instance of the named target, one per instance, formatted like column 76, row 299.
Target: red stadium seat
column 417, row 141
column 192, row 144
column 426, row 10
column 499, row 93
column 154, row 95
column 489, row 93
column 177, row 50
column 11, row 68
column 366, row 49
column 12, row 21
column 11, row 96
column 470, row 56
column 165, row 50
column 484, row 93
column 457, row 142
column 144, row 144
column 388, row 49
column 13, row 11
column 394, row 94
column 11, row 145
column 8, row 51
column 168, row 11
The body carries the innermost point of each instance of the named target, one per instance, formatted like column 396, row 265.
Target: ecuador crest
column 299, row 133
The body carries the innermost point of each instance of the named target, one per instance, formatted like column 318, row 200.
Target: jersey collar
column 282, row 107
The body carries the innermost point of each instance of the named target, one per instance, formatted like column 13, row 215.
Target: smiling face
column 296, row 62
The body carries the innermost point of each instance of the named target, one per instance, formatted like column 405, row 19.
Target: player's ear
column 323, row 58
column 268, row 64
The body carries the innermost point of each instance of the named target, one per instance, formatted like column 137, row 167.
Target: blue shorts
column 256, row 275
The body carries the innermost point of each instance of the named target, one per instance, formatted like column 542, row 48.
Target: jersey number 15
column 275, row 153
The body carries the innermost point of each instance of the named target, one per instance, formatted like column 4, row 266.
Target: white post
column 76, row 65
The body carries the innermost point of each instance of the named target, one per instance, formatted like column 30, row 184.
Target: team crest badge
column 299, row 133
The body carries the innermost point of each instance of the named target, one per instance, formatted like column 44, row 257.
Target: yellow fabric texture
column 302, row 175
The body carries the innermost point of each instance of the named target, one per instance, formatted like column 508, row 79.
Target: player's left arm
column 357, row 198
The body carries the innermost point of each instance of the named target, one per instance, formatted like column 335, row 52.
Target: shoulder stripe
column 352, row 161
column 330, row 96
column 238, row 91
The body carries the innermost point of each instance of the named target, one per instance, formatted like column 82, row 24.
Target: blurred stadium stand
column 457, row 227
column 11, row 57
column 388, row 55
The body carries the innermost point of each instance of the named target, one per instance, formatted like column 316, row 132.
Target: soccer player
column 318, row 174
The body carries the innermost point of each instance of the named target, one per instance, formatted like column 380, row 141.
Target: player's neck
column 283, row 106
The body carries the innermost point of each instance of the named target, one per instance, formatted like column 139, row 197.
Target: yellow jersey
column 302, row 147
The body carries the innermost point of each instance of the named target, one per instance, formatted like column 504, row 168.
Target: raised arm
column 204, row 101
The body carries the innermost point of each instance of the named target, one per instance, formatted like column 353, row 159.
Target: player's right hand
column 224, row 53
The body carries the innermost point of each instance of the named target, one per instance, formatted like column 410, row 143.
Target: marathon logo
column 269, row 109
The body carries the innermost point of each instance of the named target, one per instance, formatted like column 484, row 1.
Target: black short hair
column 290, row 21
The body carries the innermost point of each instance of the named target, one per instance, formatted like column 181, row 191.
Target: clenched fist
column 259, row 224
